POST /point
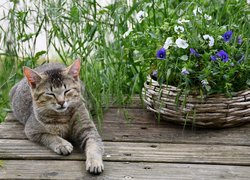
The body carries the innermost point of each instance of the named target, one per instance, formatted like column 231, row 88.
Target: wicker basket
column 216, row 111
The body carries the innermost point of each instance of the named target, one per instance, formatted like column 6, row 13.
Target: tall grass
column 114, row 67
column 75, row 29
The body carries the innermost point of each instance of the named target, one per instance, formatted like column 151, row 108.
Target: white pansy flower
column 168, row 42
column 248, row 2
column 207, row 17
column 178, row 29
column 180, row 21
column 127, row 32
column 197, row 9
column 181, row 43
column 210, row 38
column 140, row 16
column 184, row 57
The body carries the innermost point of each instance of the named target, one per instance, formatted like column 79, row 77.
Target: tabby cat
column 49, row 102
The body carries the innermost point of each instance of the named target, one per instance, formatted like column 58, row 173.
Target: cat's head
column 56, row 89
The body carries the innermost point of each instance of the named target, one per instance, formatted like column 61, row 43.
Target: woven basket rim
column 234, row 94
column 213, row 111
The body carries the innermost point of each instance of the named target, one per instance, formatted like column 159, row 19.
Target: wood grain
column 141, row 126
column 137, row 146
column 33, row 169
column 135, row 152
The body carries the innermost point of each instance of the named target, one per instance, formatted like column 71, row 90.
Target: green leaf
column 152, row 35
column 168, row 73
column 248, row 82
column 74, row 14
column 208, row 88
column 38, row 54
column 25, row 37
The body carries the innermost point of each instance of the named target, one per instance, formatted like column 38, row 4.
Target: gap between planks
column 117, row 129
column 136, row 152
column 27, row 169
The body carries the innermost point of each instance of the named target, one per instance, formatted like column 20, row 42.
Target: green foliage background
column 113, row 67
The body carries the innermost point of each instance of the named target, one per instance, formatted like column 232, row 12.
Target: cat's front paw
column 64, row 148
column 94, row 165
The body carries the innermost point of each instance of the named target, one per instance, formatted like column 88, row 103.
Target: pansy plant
column 211, row 59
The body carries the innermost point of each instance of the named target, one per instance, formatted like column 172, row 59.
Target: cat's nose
column 61, row 103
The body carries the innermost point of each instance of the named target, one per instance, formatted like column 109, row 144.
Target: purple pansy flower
column 227, row 36
column 161, row 54
column 192, row 51
column 240, row 40
column 213, row 58
column 223, row 55
column 184, row 71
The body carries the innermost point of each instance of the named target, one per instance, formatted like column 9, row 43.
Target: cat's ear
column 32, row 76
column 74, row 69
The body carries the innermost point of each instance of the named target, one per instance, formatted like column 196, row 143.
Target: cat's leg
column 85, row 133
column 37, row 133
column 55, row 143
column 94, row 152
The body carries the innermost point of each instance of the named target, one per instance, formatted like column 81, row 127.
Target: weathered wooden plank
column 141, row 125
column 144, row 128
column 26, row 169
column 136, row 152
column 11, row 130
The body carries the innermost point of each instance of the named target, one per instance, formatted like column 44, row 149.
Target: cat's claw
column 64, row 149
column 94, row 166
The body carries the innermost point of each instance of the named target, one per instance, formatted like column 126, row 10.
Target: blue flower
column 213, row 58
column 223, row 55
column 184, row 71
column 161, row 54
column 192, row 51
column 240, row 40
column 227, row 36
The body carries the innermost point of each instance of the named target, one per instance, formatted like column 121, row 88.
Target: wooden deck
column 139, row 149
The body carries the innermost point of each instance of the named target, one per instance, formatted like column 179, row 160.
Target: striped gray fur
column 49, row 103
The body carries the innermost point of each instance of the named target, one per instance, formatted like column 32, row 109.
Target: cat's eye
column 65, row 92
column 51, row 94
